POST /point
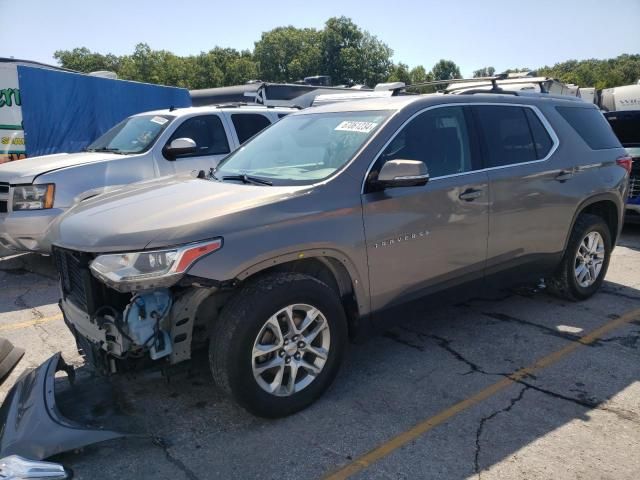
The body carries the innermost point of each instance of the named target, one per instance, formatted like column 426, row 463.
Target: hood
column 27, row 169
column 168, row 211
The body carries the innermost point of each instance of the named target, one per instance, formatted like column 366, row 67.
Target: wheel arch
column 608, row 207
column 328, row 266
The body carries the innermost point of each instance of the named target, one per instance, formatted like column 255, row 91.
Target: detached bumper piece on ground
column 33, row 427
column 15, row 467
column 9, row 357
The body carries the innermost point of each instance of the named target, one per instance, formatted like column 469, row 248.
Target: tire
column 248, row 318
column 565, row 283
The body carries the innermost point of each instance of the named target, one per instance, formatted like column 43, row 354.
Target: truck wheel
column 585, row 261
column 278, row 343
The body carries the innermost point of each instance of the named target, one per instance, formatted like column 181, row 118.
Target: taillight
column 625, row 162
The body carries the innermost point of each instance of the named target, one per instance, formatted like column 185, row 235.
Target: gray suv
column 329, row 223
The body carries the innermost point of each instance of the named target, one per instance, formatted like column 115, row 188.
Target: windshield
column 132, row 135
column 302, row 149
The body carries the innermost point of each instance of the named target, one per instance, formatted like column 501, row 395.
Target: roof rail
column 493, row 80
column 248, row 104
column 486, row 81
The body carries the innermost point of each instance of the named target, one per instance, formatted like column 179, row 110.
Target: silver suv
column 329, row 223
column 36, row 190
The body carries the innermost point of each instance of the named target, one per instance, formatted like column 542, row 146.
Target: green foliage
column 287, row 54
column 484, row 72
column 341, row 49
column 612, row 72
column 400, row 73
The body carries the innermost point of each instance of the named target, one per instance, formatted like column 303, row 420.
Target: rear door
column 422, row 239
column 246, row 125
column 530, row 208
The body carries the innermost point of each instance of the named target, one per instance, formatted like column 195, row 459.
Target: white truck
column 36, row 190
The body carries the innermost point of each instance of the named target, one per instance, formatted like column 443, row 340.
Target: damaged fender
column 31, row 424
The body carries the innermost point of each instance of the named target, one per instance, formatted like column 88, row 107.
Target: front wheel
column 278, row 343
column 585, row 261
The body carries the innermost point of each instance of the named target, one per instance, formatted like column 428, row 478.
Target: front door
column 422, row 239
column 212, row 143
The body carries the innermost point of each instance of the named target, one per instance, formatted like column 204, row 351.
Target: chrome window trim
column 545, row 123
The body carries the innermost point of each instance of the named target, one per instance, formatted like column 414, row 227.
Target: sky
column 472, row 33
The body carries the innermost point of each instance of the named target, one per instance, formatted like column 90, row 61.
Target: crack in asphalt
column 616, row 293
column 445, row 344
column 20, row 302
column 484, row 420
column 164, row 445
column 585, row 402
column 503, row 317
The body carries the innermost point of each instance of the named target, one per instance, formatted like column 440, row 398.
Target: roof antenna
column 172, row 108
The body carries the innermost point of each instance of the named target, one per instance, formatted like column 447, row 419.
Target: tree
column 612, row 72
column 420, row 75
column 351, row 55
column 445, row 70
column 484, row 72
column 400, row 73
column 84, row 60
column 287, row 54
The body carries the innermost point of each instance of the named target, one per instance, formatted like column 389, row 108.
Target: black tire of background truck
column 240, row 321
column 564, row 283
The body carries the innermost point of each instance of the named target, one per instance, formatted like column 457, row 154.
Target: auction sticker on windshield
column 361, row 127
column 159, row 120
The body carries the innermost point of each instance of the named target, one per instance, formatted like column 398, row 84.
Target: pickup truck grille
column 4, row 197
column 75, row 277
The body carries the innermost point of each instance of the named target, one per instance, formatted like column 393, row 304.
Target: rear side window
column 541, row 140
column 591, row 125
column 248, row 124
column 208, row 133
column 508, row 139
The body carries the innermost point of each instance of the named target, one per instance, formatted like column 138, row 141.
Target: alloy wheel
column 291, row 350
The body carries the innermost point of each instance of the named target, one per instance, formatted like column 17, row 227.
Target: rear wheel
column 278, row 343
column 585, row 261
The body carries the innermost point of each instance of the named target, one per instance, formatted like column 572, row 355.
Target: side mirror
column 179, row 146
column 403, row 173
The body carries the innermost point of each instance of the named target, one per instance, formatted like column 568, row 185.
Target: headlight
column 154, row 268
column 33, row 197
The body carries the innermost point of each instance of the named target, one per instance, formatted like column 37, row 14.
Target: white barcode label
column 361, row 127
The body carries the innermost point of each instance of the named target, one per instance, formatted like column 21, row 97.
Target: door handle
column 564, row 175
column 470, row 194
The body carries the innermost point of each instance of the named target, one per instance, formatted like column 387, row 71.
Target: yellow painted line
column 416, row 431
column 29, row 323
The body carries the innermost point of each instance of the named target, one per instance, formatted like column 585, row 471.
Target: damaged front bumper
column 31, row 425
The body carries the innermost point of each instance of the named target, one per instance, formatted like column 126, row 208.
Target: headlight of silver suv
column 154, row 268
column 33, row 197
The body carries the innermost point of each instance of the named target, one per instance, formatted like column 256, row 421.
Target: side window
column 541, row 140
column 591, row 126
column 506, row 135
column 437, row 137
column 208, row 133
column 282, row 115
column 248, row 124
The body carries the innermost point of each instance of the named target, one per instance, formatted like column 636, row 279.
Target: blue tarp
column 64, row 112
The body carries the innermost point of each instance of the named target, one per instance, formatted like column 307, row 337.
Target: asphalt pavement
column 522, row 385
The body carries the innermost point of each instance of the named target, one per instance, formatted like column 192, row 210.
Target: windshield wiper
column 248, row 179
